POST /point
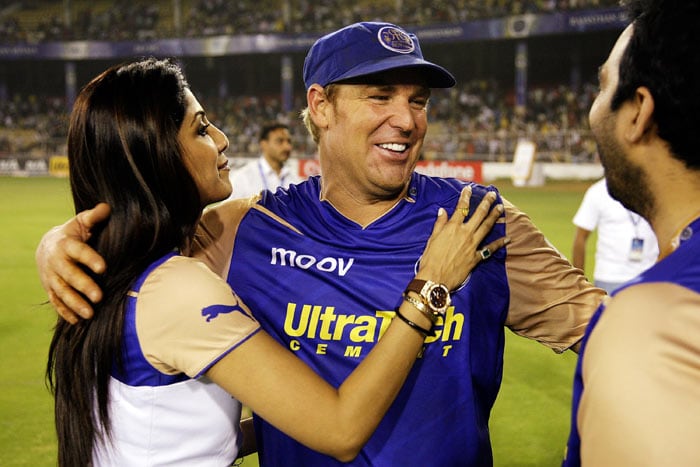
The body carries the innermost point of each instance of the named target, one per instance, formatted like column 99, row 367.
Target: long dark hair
column 122, row 150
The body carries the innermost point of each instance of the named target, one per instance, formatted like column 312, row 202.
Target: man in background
column 637, row 385
column 626, row 245
column 269, row 171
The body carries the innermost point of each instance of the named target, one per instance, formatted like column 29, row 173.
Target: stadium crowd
column 475, row 120
column 37, row 21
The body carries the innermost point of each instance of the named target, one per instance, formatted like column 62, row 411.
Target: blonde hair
column 331, row 92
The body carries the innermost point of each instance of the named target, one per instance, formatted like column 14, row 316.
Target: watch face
column 438, row 297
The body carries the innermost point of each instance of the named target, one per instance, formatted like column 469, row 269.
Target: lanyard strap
column 634, row 218
column 264, row 178
column 262, row 175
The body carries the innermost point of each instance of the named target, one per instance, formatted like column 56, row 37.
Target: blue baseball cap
column 367, row 48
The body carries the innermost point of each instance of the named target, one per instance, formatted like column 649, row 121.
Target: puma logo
column 213, row 311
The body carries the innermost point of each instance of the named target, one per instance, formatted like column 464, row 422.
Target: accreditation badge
column 636, row 249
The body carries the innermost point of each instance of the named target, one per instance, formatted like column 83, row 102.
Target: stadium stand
column 477, row 120
column 480, row 124
column 36, row 21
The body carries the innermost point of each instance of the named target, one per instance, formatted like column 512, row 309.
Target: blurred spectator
column 626, row 244
column 270, row 170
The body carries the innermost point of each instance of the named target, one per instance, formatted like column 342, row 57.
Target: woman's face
column 203, row 145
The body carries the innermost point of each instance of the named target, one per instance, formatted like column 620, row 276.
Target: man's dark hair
column 269, row 128
column 663, row 55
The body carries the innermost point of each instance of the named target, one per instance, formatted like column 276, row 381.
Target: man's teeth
column 394, row 147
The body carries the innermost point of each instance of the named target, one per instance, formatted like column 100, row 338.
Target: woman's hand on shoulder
column 453, row 249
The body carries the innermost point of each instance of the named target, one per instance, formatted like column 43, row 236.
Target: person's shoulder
column 185, row 280
column 598, row 200
column 179, row 278
column 446, row 188
column 181, row 270
column 308, row 188
column 647, row 332
column 651, row 310
column 599, row 185
column 596, row 191
column 653, row 294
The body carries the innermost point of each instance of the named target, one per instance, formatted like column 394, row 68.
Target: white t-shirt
column 257, row 175
column 617, row 227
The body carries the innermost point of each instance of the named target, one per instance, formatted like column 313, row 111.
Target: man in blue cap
column 321, row 264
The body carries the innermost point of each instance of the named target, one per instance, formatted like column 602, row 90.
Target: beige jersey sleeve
column 641, row 374
column 187, row 317
column 550, row 300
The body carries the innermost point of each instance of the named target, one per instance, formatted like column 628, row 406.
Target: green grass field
column 529, row 423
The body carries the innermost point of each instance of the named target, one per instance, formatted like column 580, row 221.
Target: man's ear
column 642, row 115
column 318, row 105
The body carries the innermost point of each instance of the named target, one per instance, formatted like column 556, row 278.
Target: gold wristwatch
column 435, row 296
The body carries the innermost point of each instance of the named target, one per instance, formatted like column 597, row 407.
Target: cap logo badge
column 396, row 40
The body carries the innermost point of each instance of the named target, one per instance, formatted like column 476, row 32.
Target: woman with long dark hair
column 149, row 379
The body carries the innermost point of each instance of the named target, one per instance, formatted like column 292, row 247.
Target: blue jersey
column 326, row 288
column 681, row 268
column 336, row 285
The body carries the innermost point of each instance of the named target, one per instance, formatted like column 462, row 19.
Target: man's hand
column 58, row 256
